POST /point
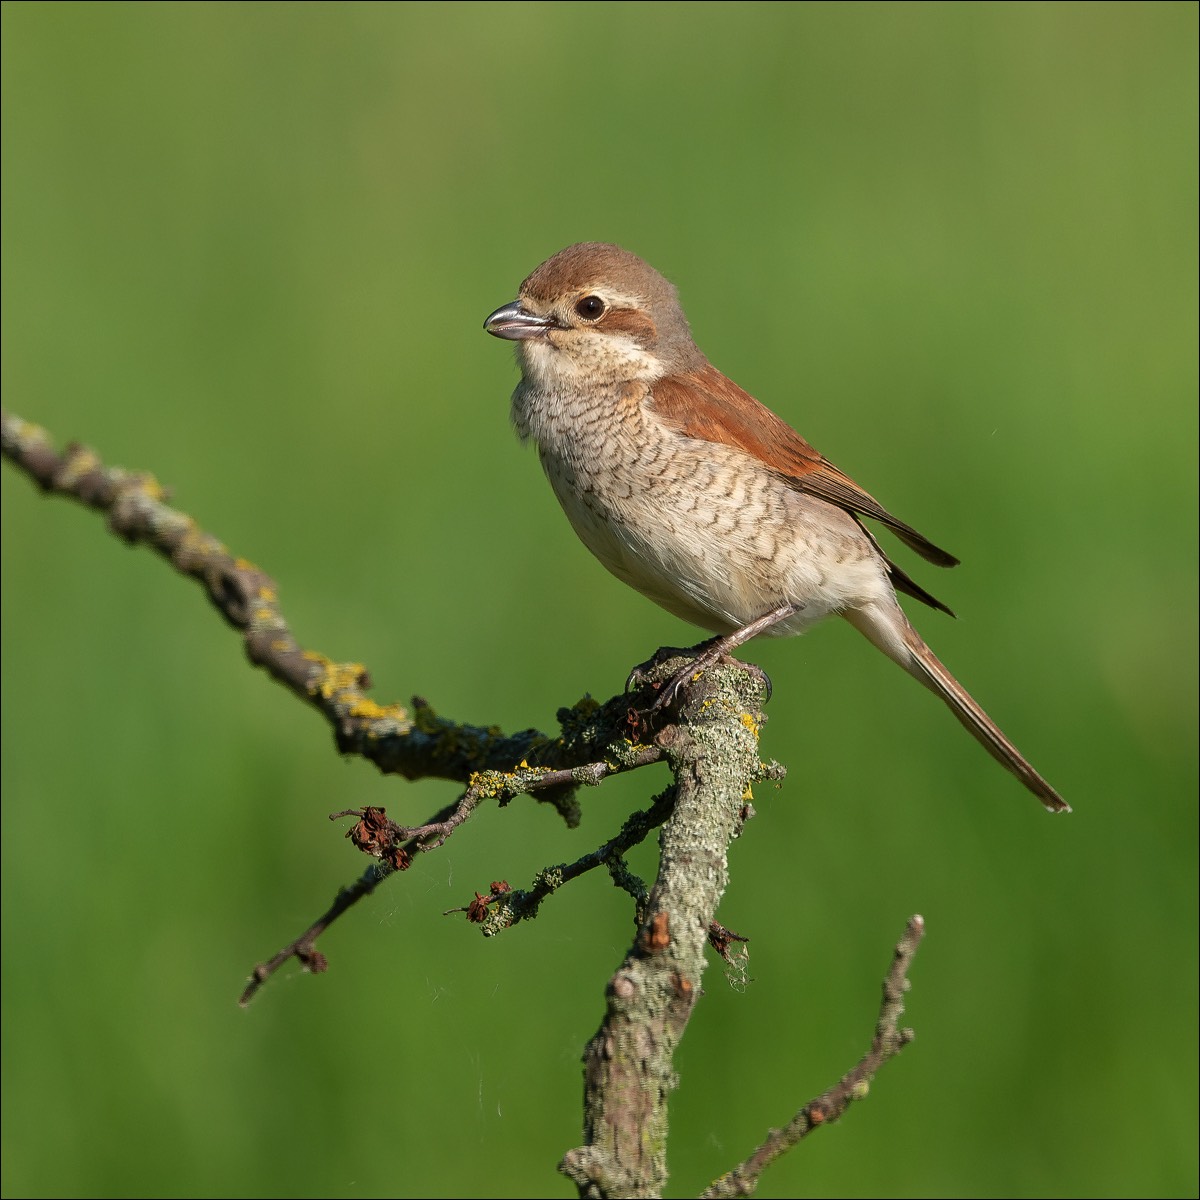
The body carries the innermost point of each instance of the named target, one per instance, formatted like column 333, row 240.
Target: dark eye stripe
column 632, row 322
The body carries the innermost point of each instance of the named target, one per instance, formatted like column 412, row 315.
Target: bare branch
column 889, row 1040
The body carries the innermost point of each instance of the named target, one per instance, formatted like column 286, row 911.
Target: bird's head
column 596, row 314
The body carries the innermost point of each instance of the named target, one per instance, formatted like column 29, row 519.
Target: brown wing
column 705, row 404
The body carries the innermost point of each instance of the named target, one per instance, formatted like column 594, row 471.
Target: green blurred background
column 250, row 248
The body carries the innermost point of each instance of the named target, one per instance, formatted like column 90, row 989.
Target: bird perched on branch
column 694, row 493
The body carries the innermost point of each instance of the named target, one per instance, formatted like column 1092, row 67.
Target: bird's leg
column 710, row 652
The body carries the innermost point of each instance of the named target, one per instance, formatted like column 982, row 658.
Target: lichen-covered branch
column 412, row 741
column 506, row 907
column 628, row 1065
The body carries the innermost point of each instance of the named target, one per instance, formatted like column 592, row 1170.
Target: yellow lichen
column 370, row 711
column 337, row 677
column 80, row 463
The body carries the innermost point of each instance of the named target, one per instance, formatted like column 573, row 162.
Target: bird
column 696, row 494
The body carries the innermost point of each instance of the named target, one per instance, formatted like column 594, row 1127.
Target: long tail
column 901, row 643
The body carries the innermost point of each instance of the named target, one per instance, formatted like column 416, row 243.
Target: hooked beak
column 517, row 324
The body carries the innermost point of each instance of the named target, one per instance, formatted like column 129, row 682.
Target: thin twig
column 302, row 948
column 522, row 905
column 889, row 1040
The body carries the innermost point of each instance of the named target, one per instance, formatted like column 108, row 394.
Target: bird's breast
column 699, row 527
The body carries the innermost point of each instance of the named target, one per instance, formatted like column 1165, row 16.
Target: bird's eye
column 590, row 308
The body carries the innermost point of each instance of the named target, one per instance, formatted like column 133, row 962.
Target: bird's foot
column 641, row 675
column 700, row 659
